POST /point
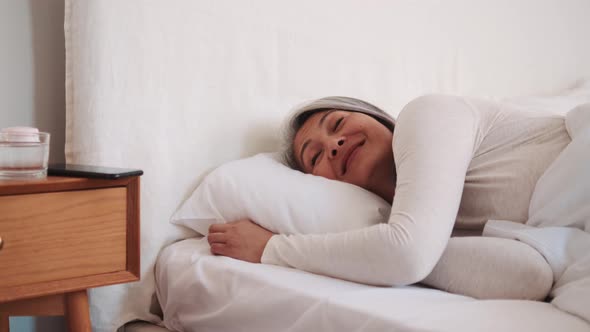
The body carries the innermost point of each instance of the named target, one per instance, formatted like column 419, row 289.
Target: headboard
column 178, row 87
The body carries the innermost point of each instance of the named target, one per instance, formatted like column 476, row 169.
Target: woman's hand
column 242, row 239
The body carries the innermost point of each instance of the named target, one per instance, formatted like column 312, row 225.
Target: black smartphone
column 88, row 171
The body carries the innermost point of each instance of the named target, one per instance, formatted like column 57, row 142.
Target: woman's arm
column 492, row 268
column 433, row 146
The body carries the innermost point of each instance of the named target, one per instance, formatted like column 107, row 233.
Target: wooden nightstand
column 60, row 236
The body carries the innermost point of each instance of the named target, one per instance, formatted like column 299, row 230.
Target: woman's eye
column 337, row 124
column 315, row 159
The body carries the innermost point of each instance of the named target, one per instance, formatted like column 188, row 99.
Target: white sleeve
column 433, row 145
column 492, row 268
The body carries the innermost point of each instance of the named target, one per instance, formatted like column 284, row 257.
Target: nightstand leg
column 77, row 312
column 4, row 323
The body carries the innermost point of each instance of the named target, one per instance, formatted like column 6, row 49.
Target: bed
column 178, row 88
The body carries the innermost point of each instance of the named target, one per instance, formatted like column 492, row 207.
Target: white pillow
column 279, row 199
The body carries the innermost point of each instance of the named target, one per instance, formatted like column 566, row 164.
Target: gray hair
column 303, row 113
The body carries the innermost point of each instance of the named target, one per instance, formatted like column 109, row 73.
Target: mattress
column 202, row 292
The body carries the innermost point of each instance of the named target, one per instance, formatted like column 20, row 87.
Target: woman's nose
column 336, row 148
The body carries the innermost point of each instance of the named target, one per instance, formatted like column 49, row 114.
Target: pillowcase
column 280, row 199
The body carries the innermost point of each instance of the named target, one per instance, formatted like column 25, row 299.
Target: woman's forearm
column 384, row 254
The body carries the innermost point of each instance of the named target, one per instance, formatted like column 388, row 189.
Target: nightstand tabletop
column 57, row 183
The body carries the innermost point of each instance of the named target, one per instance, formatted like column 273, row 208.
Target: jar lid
column 20, row 134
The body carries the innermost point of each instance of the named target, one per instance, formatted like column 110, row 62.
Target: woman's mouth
column 350, row 155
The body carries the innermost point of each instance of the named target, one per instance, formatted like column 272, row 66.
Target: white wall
column 32, row 88
column 32, row 68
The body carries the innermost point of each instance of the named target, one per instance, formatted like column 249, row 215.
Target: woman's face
column 347, row 146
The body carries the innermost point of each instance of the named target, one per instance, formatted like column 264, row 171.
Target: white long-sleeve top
column 459, row 161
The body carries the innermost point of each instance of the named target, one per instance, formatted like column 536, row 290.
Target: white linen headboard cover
column 178, row 87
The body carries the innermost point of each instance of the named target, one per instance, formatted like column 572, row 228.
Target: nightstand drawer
column 61, row 235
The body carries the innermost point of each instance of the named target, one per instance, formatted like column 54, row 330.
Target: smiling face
column 346, row 146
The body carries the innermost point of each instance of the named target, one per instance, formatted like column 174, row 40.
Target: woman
column 450, row 161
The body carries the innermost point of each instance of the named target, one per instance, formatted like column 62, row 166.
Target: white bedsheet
column 202, row 292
